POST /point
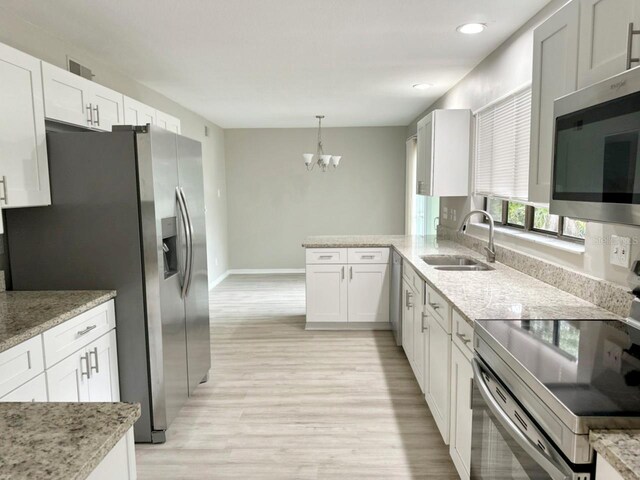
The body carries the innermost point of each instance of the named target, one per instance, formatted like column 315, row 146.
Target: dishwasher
column 395, row 297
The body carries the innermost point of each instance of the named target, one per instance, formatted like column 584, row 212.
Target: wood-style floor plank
column 285, row 403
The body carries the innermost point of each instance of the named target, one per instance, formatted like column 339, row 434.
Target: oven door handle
column 555, row 470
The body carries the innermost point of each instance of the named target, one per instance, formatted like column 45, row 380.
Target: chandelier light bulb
column 308, row 158
column 323, row 160
column 336, row 160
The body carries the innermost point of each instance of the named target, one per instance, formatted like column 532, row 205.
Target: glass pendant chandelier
column 322, row 160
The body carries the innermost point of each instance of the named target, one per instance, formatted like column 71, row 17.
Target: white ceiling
column 277, row 63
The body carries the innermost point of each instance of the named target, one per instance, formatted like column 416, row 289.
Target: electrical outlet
column 612, row 356
column 620, row 253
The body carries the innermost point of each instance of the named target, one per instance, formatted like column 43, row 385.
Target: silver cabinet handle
column 325, row 257
column 97, row 110
column 463, row 338
column 435, row 306
column 424, row 315
column 85, row 359
column 5, row 196
column 630, row 58
column 408, row 302
column 86, row 330
column 350, row 273
column 90, row 114
column 367, row 257
column 94, row 352
column 343, row 272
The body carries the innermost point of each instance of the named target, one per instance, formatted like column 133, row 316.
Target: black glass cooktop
column 591, row 366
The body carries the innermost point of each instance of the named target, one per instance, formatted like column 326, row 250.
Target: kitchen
column 351, row 318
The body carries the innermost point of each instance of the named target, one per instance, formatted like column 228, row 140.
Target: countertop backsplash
column 607, row 295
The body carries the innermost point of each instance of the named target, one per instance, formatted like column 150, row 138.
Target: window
column 535, row 219
column 502, row 148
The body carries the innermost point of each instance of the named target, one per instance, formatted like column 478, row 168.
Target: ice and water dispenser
column 170, row 246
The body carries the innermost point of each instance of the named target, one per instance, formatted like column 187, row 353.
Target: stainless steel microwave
column 596, row 154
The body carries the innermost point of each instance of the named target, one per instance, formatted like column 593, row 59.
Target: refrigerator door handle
column 187, row 237
column 190, row 227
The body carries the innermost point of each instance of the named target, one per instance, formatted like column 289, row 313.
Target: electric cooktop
column 590, row 367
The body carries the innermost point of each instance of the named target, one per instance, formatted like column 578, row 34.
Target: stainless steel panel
column 158, row 171
column 395, row 299
column 619, row 85
column 197, row 299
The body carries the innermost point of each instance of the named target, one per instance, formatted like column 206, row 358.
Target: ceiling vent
column 79, row 69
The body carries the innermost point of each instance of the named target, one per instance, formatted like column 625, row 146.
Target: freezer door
column 197, row 297
column 160, row 217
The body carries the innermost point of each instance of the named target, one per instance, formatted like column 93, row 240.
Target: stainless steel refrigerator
column 128, row 214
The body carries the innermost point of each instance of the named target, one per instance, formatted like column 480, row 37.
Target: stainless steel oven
column 596, row 155
column 507, row 443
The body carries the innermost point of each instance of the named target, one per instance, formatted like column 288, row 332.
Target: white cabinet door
column 555, row 73
column 327, row 290
column 438, row 389
column 119, row 463
column 407, row 320
column 604, row 28
column 419, row 328
column 103, row 366
column 66, row 96
column 23, row 150
column 605, row 471
column 137, row 113
column 369, row 293
column 168, row 122
column 35, row 390
column 68, row 380
column 461, row 413
column 108, row 109
column 425, row 156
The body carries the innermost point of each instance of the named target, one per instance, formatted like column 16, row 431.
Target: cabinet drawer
column 326, row 255
column 439, row 308
column 68, row 337
column 409, row 274
column 462, row 333
column 369, row 255
column 35, row 390
column 20, row 364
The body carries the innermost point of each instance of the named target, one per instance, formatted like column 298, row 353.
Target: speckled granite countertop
column 503, row 293
column 621, row 448
column 24, row 315
column 63, row 441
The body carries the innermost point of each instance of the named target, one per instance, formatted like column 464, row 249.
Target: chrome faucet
column 491, row 249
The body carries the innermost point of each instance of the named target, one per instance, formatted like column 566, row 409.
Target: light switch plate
column 620, row 252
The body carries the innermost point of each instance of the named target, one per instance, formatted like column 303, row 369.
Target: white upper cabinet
column 604, row 38
column 108, row 107
column 23, row 152
column 555, row 70
column 443, row 153
column 137, row 113
column 75, row 100
column 166, row 121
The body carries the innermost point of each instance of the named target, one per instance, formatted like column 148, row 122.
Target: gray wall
column 274, row 203
column 35, row 41
column 505, row 69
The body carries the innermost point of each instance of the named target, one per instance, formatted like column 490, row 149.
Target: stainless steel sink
column 449, row 260
column 457, row 263
column 479, row 267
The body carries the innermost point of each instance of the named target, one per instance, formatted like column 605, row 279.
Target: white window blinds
column 503, row 130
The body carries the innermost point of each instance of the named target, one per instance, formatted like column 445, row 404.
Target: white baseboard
column 264, row 271
column 216, row 281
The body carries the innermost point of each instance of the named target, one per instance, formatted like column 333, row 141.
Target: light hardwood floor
column 285, row 403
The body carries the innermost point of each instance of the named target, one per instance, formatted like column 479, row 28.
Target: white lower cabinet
column 119, row 463
column 327, row 293
column 437, row 388
column 461, row 413
column 356, row 293
column 407, row 320
column 604, row 470
column 35, row 390
column 368, row 294
column 420, row 330
column 88, row 375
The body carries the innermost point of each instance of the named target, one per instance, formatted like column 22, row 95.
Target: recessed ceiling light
column 422, row 86
column 471, row 28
